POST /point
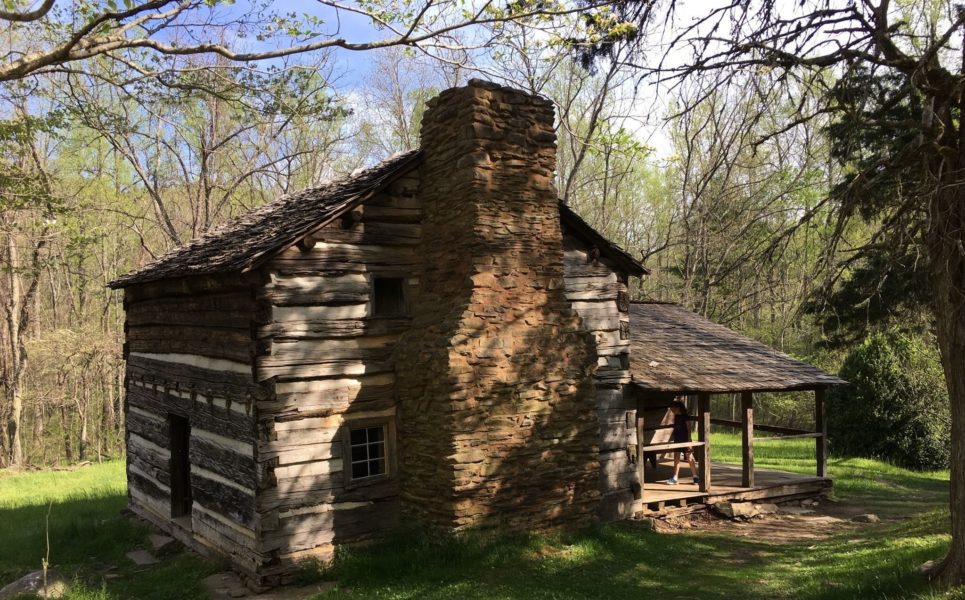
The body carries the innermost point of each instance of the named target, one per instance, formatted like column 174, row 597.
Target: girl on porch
column 681, row 434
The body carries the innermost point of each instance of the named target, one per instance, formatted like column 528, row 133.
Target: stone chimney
column 497, row 423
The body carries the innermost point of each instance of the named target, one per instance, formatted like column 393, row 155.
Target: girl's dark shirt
column 681, row 429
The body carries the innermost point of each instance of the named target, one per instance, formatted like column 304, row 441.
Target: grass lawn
column 89, row 538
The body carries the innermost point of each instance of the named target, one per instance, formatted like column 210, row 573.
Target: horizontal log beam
column 676, row 446
column 798, row 436
column 759, row 427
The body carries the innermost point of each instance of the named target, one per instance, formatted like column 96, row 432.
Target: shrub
column 896, row 408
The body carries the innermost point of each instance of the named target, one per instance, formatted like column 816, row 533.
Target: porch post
column 641, row 441
column 821, row 427
column 703, row 435
column 747, row 439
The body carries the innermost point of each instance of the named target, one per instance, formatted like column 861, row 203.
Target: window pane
column 377, row 467
column 376, row 450
column 359, row 453
column 376, row 434
column 360, row 470
column 357, row 436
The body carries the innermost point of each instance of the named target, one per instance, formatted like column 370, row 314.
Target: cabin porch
column 676, row 354
column 769, row 485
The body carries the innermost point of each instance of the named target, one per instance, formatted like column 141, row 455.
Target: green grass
column 89, row 538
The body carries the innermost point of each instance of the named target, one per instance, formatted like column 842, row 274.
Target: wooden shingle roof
column 675, row 350
column 247, row 242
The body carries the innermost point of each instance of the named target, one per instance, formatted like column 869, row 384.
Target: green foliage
column 896, row 408
column 887, row 290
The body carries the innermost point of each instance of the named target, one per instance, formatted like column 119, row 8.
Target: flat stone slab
column 226, row 586
column 222, row 586
column 142, row 558
column 32, row 584
column 162, row 543
column 866, row 518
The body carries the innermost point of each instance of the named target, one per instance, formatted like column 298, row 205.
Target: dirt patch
column 828, row 518
column 785, row 529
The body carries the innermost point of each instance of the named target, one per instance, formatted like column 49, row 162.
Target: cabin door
column 180, row 467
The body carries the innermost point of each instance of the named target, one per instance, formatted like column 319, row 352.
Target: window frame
column 404, row 301
column 388, row 423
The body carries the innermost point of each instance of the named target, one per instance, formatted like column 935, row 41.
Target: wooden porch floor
column 725, row 485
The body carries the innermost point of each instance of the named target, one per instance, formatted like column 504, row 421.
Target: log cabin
column 436, row 340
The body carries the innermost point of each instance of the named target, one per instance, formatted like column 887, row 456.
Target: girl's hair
column 680, row 405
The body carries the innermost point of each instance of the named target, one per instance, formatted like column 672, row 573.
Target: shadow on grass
column 623, row 561
column 89, row 538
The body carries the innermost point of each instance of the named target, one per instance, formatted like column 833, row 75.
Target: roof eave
column 736, row 389
column 617, row 255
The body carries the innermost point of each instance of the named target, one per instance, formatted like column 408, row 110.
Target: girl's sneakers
column 671, row 481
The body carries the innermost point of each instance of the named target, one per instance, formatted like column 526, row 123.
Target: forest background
column 108, row 165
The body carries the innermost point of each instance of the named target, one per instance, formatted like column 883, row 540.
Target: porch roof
column 674, row 350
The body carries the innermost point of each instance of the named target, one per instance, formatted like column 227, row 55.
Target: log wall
column 189, row 353
column 599, row 293
column 330, row 361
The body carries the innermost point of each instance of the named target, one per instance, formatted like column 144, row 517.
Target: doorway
column 180, row 466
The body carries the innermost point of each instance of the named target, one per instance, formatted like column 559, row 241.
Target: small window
column 388, row 296
column 367, row 446
column 369, row 451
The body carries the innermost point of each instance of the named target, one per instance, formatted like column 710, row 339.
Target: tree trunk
column 944, row 241
column 17, row 356
column 65, row 422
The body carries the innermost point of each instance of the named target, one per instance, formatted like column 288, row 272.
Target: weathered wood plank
column 333, row 328
column 272, row 499
column 391, row 214
column 296, row 410
column 374, row 233
column 223, row 499
column 301, row 454
column 340, row 526
column 616, row 471
column 150, row 426
column 226, row 384
column 151, row 465
column 193, row 287
column 215, row 310
column 223, row 461
column 703, row 432
column 334, row 256
column 576, row 266
column 329, row 288
column 231, row 344
column 821, row 426
column 334, row 368
column 320, row 313
column 201, row 415
column 369, row 348
column 148, row 486
column 747, row 439
column 311, row 469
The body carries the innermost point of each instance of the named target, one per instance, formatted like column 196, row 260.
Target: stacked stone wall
column 498, row 424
